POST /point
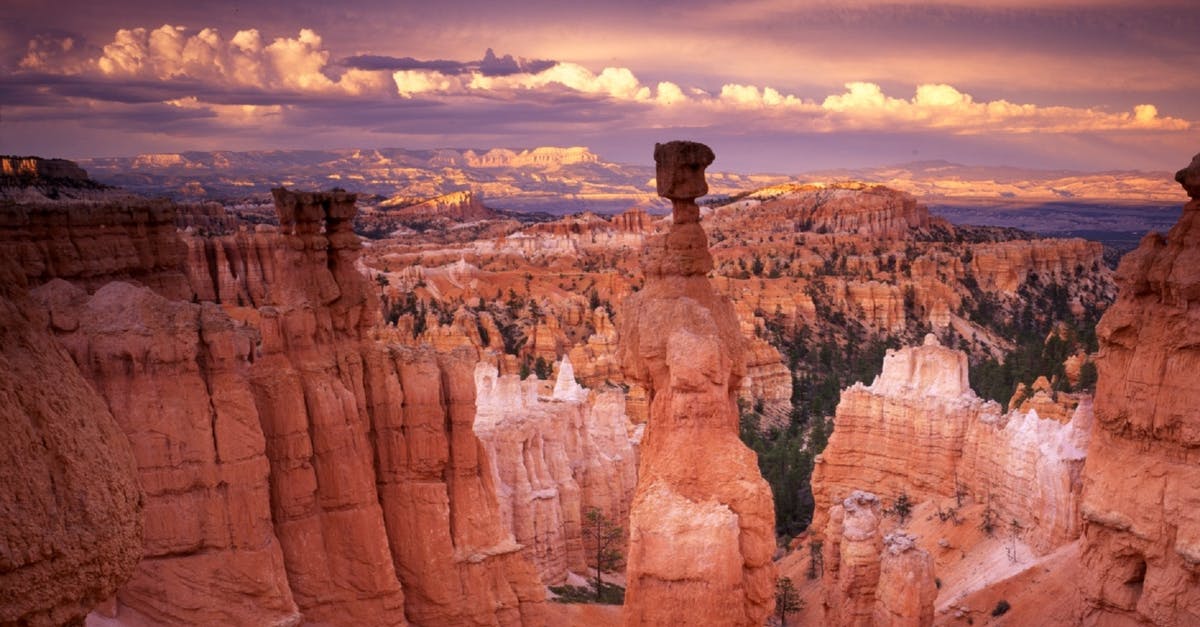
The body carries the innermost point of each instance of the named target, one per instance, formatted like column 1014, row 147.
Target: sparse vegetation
column 988, row 522
column 1001, row 608
column 787, row 599
column 902, row 507
column 601, row 536
column 816, row 559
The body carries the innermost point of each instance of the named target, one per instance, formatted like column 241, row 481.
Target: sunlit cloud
column 245, row 60
column 202, row 82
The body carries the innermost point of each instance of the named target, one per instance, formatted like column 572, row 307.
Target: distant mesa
column 464, row 206
column 37, row 180
column 39, row 169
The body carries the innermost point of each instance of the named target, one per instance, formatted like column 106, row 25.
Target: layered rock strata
column 555, row 456
column 1141, row 548
column 702, row 519
column 920, row 430
column 852, row 554
column 289, row 459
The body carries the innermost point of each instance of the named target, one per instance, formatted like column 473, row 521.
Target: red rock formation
column 434, row 484
column 39, row 168
column 289, row 460
column 71, row 528
column 919, row 430
column 555, row 456
column 849, row 208
column 699, row 491
column 1005, row 265
column 93, row 245
column 633, row 220
column 1142, row 479
column 851, row 560
column 907, row 586
column 463, row 206
column 175, row 375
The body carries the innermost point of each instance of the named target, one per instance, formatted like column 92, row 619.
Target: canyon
column 274, row 421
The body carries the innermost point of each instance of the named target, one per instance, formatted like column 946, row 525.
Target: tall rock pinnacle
column 702, row 519
column 1141, row 483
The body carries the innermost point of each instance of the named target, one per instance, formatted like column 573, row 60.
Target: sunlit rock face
column 870, row 578
column 1142, row 479
column 907, row 586
column 554, row 457
column 289, row 460
column 702, row 520
column 71, row 523
column 920, row 430
column 852, row 554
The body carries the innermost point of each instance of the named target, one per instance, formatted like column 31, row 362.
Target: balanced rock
column 702, row 519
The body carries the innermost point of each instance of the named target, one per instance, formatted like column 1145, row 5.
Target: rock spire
column 702, row 519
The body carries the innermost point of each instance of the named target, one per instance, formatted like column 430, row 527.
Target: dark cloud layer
column 490, row 65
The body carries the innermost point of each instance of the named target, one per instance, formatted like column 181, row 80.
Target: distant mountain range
column 565, row 180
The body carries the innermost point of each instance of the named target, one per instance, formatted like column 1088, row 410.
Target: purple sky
column 772, row 85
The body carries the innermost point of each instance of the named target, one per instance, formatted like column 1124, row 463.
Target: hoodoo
column 1141, row 549
column 702, row 519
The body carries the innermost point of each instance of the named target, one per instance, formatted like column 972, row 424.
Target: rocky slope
column 699, row 490
column 71, row 524
column 1142, row 483
column 918, row 430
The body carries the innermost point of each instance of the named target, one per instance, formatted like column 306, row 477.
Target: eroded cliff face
column 920, row 430
column 702, row 520
column 92, row 245
column 1142, row 479
column 70, row 504
column 555, row 456
column 290, row 459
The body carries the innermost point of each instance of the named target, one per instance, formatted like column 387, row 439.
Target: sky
column 772, row 85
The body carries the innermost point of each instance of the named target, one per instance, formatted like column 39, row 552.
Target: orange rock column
column 702, row 520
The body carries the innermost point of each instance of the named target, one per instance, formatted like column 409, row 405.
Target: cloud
column 202, row 83
column 938, row 106
column 490, row 65
column 169, row 52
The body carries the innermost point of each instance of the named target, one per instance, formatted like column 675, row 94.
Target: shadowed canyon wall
column 70, row 506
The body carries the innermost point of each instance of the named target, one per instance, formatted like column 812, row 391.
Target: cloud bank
column 190, row 82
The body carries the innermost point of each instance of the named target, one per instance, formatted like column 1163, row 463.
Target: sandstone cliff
column 288, row 458
column 919, row 430
column 71, row 522
column 702, row 520
column 1142, row 479
column 555, row 456
column 92, row 245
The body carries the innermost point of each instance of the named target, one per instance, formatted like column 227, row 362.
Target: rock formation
column 70, row 505
column 555, row 456
column 92, row 245
column 872, row 580
column 920, row 430
column 32, row 168
column 288, row 458
column 907, row 586
column 702, row 520
column 1142, row 478
column 852, row 554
